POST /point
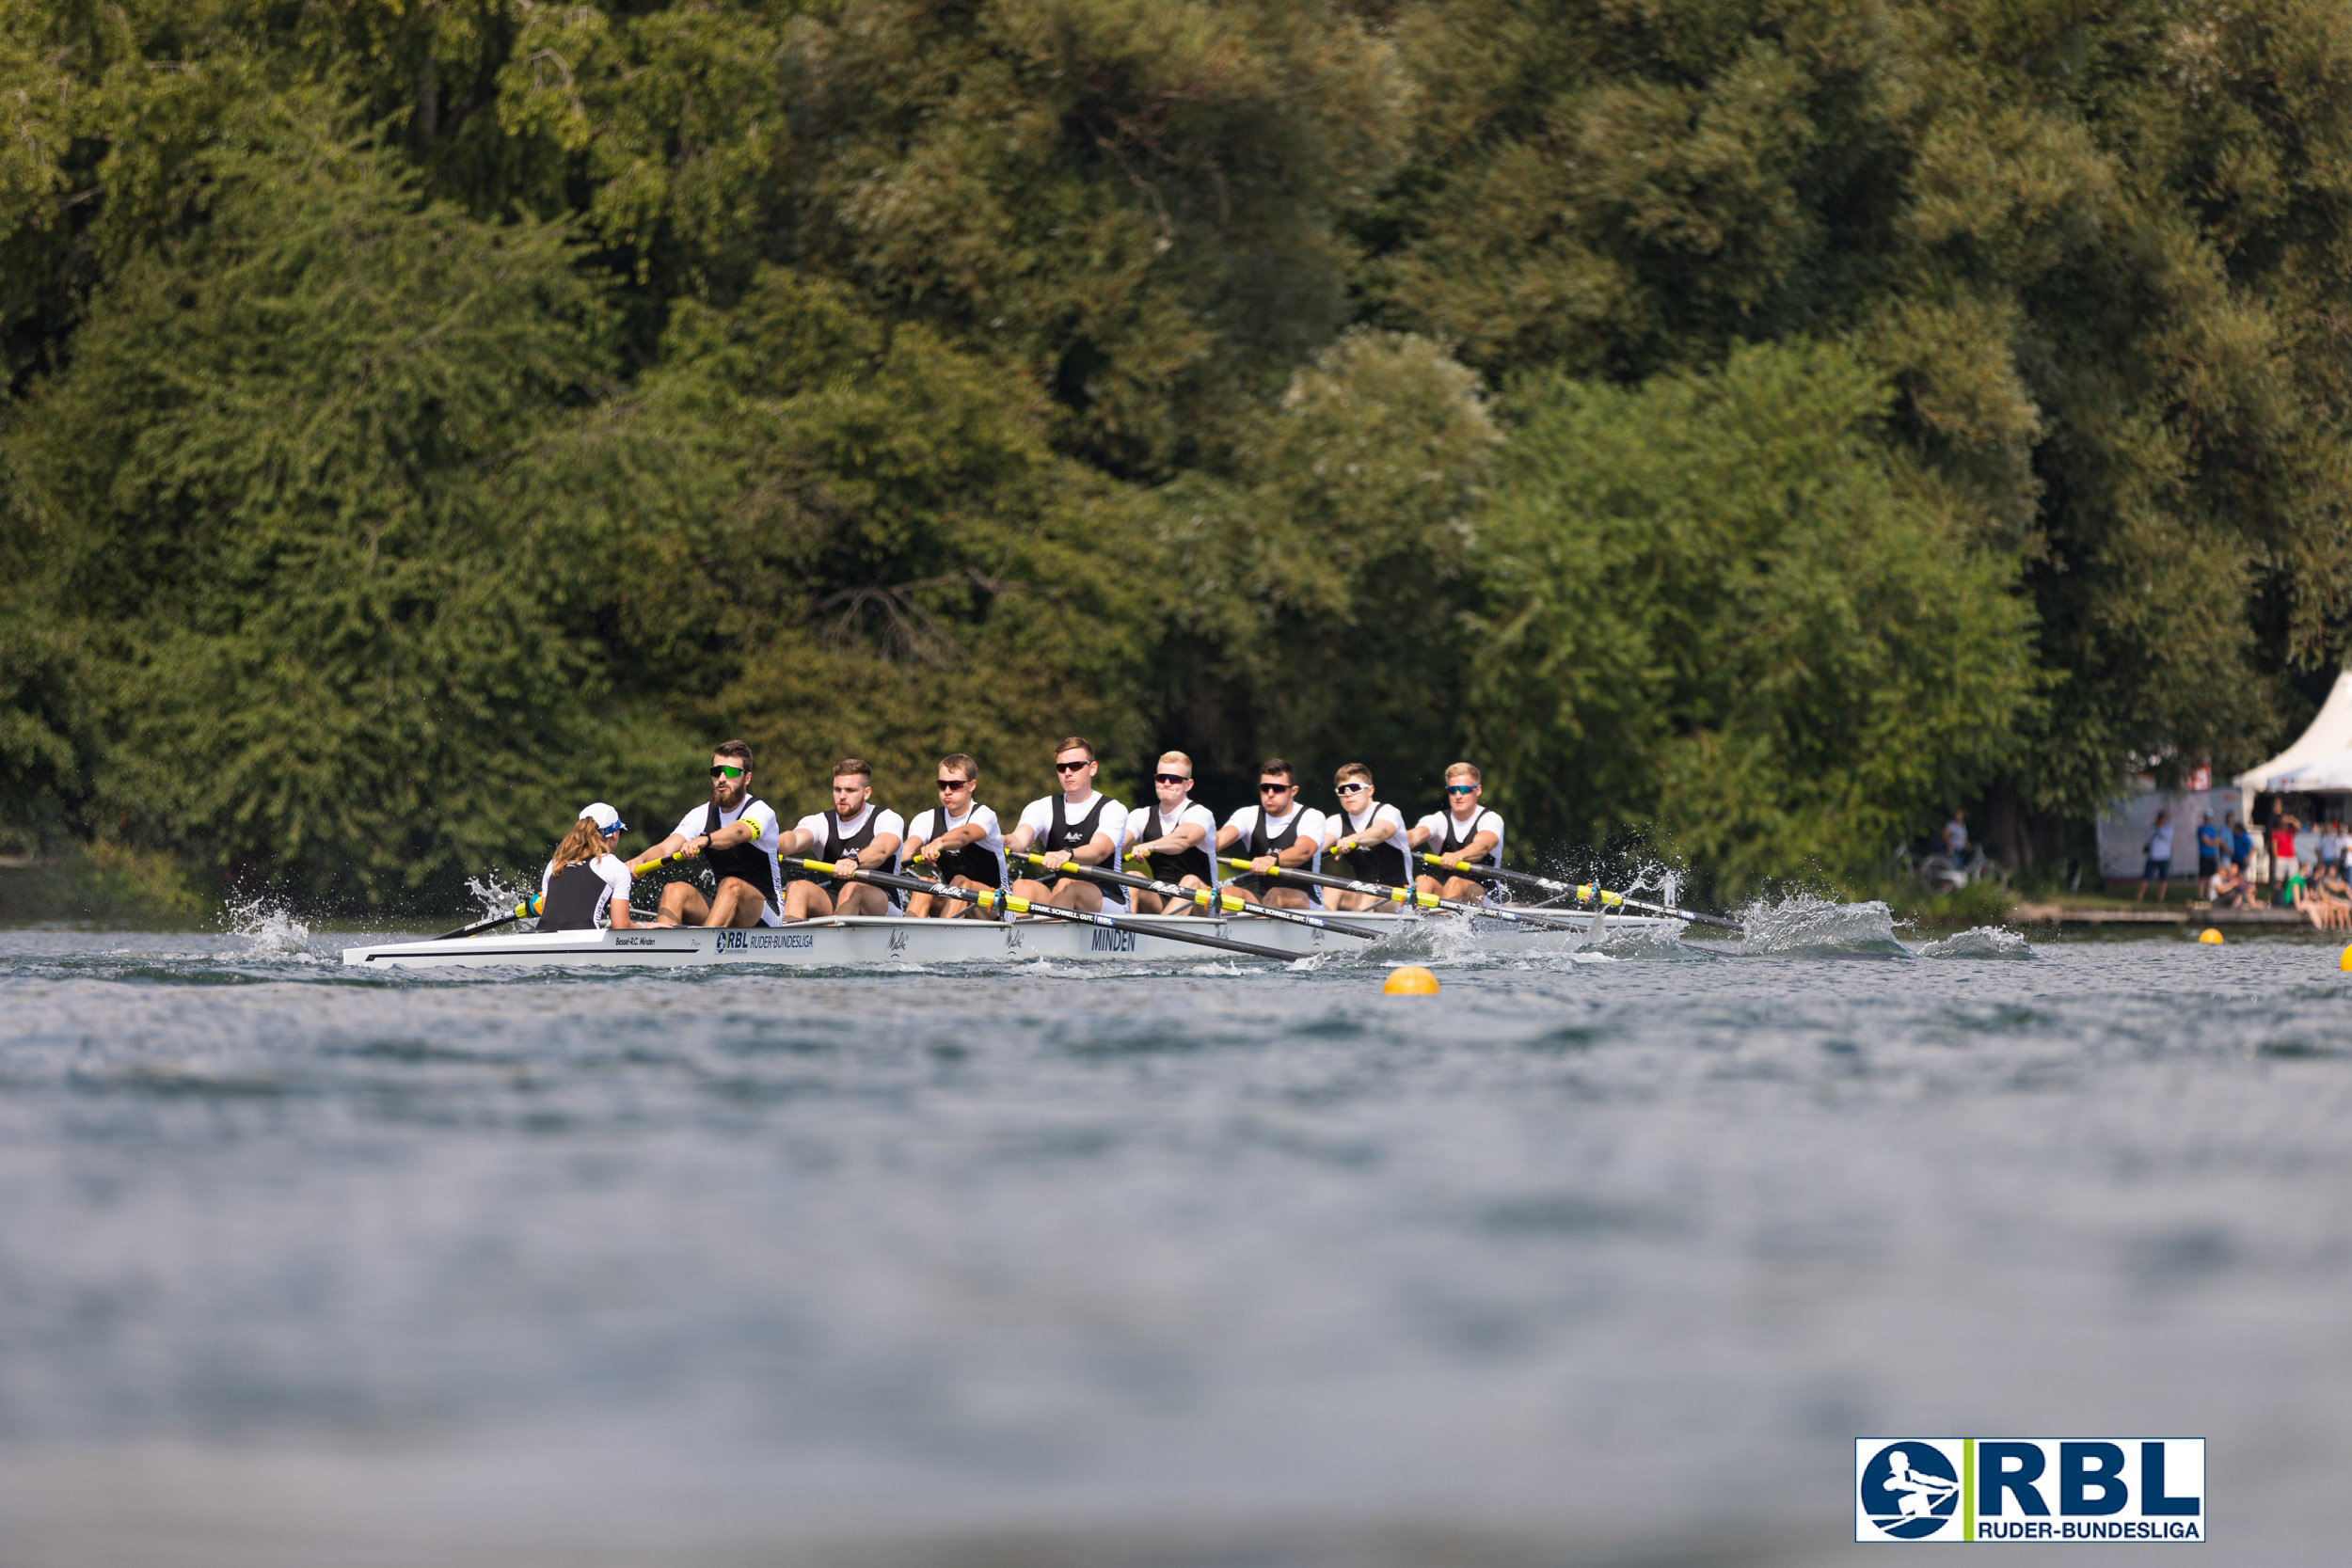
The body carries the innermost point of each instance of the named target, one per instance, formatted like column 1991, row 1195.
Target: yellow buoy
column 2345, row 962
column 2209, row 934
column 1413, row 980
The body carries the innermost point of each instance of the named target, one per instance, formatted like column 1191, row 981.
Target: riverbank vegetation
column 1746, row 426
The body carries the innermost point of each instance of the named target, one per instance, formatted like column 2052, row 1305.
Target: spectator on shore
column 2282, row 875
column 2327, row 848
column 2211, row 845
column 1955, row 836
column 2231, row 890
column 2241, row 847
column 2159, row 852
column 2326, row 901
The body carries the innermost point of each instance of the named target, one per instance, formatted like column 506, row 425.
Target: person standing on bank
column 960, row 843
column 586, row 887
column 1276, row 832
column 1366, row 838
column 1172, row 836
column 736, row 834
column 2160, row 850
column 1077, row 824
column 1462, row 834
column 2211, row 845
column 855, row 833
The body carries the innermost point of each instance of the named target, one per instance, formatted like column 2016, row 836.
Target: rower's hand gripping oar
column 1585, row 893
column 1230, row 903
column 1405, row 895
column 529, row 907
column 995, row 902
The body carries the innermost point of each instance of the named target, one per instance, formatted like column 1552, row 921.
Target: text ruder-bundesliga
column 2001, row 1489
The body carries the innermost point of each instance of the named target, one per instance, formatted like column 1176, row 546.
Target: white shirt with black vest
column 1110, row 819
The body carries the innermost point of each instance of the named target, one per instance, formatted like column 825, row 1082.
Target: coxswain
column 1077, row 824
column 1277, row 831
column 1172, row 836
column 586, row 887
column 959, row 843
column 1461, row 833
column 1366, row 838
column 853, row 834
column 736, row 834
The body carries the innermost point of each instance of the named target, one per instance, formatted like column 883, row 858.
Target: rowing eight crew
column 961, row 842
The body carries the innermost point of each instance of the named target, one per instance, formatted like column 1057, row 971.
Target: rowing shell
column 852, row 941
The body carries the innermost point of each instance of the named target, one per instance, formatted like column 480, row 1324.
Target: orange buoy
column 1413, row 980
column 2210, row 935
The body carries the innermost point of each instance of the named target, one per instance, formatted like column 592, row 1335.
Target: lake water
column 1602, row 1259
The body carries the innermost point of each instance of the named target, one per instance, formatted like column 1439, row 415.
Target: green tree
column 1726, row 618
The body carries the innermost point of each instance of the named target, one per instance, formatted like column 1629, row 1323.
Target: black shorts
column 2207, row 865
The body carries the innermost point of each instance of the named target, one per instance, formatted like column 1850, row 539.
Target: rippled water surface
column 1592, row 1259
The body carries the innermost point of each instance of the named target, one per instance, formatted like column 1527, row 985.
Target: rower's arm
column 1481, row 841
column 795, row 842
column 1018, row 841
column 669, row 846
column 1298, row 853
column 1227, row 837
column 619, row 911
column 1375, row 832
column 1417, row 837
column 954, row 838
column 880, row 852
column 741, row 831
column 1094, row 851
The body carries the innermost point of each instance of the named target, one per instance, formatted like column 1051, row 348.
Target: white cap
column 607, row 819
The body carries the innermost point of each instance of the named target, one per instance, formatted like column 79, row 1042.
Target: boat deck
column 848, row 941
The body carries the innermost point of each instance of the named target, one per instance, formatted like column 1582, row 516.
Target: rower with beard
column 855, row 833
column 1077, row 824
column 1172, row 836
column 586, row 887
column 1366, row 839
column 736, row 835
column 1276, row 832
column 1463, row 834
column 960, row 843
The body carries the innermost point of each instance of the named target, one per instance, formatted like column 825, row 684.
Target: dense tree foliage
column 1752, row 424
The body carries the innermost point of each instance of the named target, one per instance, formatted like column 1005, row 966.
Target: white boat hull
column 876, row 940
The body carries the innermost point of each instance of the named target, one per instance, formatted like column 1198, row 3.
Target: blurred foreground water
column 1602, row 1259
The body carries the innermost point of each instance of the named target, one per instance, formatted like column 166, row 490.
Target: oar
column 990, row 899
column 523, row 910
column 1407, row 895
column 1584, row 893
column 1231, row 903
column 529, row 907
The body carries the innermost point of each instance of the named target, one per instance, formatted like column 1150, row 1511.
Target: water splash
column 496, row 895
column 1810, row 926
column 269, row 927
column 1984, row 942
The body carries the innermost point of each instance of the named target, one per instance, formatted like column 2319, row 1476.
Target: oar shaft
column 988, row 898
column 1410, row 896
column 1585, row 891
column 1207, row 898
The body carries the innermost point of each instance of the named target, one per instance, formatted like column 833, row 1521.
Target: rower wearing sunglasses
column 1078, row 823
column 1463, row 834
column 736, row 834
column 960, row 843
column 1172, row 836
column 1366, row 838
column 1277, row 831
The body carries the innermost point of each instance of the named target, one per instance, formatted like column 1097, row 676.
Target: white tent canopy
column 2320, row 759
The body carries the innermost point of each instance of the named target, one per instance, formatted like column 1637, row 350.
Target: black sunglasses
column 1276, row 789
column 1169, row 778
column 955, row 783
column 1071, row 767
